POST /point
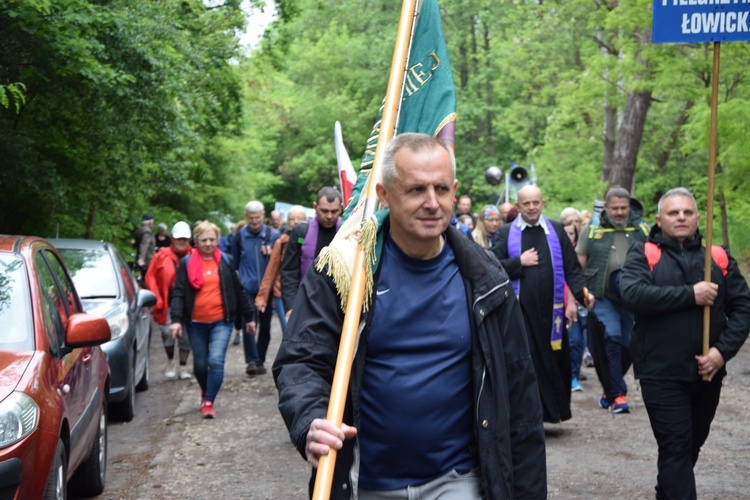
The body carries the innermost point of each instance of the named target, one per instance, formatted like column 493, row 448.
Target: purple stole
column 558, row 269
column 307, row 252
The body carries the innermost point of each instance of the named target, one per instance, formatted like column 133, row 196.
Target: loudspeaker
column 518, row 175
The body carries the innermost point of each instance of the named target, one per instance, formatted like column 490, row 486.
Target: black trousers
column 680, row 414
column 257, row 347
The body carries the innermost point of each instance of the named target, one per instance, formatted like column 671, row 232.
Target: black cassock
column 536, row 299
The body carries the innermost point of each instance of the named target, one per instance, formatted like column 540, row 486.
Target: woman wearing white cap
column 160, row 279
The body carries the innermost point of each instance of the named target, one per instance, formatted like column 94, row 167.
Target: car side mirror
column 145, row 298
column 86, row 330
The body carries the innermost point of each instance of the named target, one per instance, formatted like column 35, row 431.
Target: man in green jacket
column 601, row 251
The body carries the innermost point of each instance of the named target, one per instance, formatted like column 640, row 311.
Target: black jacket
column 233, row 295
column 668, row 331
column 508, row 414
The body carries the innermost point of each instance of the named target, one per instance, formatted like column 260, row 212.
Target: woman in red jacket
column 160, row 280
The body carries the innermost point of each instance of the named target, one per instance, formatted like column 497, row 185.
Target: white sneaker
column 171, row 372
column 184, row 372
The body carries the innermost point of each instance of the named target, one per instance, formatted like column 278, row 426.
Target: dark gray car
column 108, row 288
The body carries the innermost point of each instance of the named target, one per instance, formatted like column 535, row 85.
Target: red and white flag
column 347, row 175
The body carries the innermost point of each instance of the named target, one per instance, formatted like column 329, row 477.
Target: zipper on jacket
column 483, row 296
column 484, row 367
column 479, row 395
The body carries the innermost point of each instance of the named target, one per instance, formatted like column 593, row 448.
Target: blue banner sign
column 691, row 21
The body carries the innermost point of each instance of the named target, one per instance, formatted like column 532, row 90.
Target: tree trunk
column 629, row 140
column 722, row 209
column 610, row 132
column 489, row 132
column 661, row 163
column 90, row 222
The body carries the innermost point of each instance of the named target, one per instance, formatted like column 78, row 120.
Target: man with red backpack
column 663, row 284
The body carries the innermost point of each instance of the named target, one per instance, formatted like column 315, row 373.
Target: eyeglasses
column 492, row 220
column 206, row 240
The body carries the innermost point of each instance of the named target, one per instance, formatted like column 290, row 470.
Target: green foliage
column 535, row 83
column 112, row 109
column 124, row 104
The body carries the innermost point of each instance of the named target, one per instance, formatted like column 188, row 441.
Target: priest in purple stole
column 539, row 258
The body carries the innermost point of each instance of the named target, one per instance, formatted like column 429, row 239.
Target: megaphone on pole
column 518, row 175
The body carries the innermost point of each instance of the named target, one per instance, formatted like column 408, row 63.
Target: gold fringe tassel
column 338, row 258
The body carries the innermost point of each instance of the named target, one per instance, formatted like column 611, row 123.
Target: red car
column 54, row 378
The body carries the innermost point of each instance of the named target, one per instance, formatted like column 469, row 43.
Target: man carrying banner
column 443, row 397
column 662, row 283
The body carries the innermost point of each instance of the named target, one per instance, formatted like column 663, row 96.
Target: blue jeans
column 209, row 343
column 278, row 306
column 618, row 323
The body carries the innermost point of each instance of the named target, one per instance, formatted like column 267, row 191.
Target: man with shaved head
column 539, row 258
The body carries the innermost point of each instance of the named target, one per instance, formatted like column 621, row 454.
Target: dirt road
column 169, row 451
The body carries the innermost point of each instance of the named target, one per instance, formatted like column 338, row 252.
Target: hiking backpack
column 718, row 255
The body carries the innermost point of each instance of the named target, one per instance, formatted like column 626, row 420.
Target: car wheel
column 124, row 410
column 56, row 484
column 89, row 479
column 143, row 382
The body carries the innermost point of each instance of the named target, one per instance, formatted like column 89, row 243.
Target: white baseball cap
column 181, row 230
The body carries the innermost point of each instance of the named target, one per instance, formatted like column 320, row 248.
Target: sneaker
column 207, row 409
column 184, row 372
column 260, row 369
column 171, row 372
column 583, row 376
column 575, row 386
column 251, row 369
column 621, row 405
column 237, row 338
column 588, row 361
column 603, row 403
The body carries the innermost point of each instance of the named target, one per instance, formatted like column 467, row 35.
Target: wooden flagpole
column 339, row 387
column 710, row 195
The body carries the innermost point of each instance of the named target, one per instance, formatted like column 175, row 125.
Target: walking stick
column 710, row 195
column 337, row 401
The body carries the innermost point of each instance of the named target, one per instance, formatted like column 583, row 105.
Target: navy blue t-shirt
column 417, row 403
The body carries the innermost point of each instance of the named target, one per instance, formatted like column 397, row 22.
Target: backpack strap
column 718, row 255
column 653, row 254
column 267, row 237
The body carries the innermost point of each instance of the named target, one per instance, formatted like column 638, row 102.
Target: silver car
column 108, row 288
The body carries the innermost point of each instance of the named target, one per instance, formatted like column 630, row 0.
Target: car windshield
column 16, row 328
column 92, row 271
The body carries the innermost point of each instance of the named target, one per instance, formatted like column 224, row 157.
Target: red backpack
column 718, row 255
